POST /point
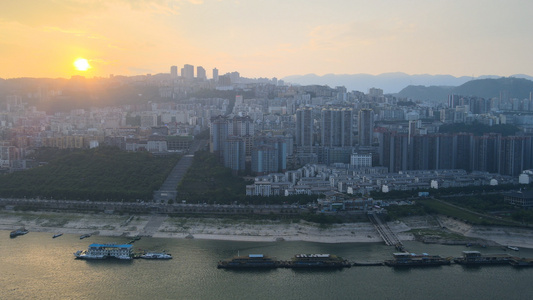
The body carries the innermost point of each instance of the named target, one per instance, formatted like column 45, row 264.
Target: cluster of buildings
column 276, row 131
column 305, row 130
column 355, row 180
column 159, row 128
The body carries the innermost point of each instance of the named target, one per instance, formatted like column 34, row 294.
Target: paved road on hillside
column 168, row 191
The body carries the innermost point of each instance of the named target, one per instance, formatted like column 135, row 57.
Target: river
column 35, row 266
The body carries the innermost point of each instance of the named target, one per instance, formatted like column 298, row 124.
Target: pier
column 385, row 232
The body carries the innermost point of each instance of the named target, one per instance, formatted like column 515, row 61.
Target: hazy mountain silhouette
column 389, row 82
column 508, row 87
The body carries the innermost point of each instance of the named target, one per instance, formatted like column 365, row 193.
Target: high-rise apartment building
column 375, row 92
column 260, row 155
column 336, row 127
column 365, row 127
column 265, row 160
column 200, row 73
column 513, row 155
column 486, row 149
column 173, row 71
column 234, row 156
column 218, row 135
column 304, row 127
column 187, row 71
column 394, row 151
column 463, row 151
column 215, row 75
column 241, row 126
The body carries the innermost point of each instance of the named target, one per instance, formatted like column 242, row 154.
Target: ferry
column 57, row 235
column 156, row 255
column 259, row 261
column 476, row 258
column 404, row 259
column 317, row 261
column 103, row 251
column 20, row 231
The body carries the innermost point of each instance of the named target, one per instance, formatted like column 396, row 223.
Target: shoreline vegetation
column 427, row 229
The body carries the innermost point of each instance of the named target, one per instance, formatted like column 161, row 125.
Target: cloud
column 335, row 36
column 100, row 61
column 163, row 7
column 75, row 32
column 139, row 70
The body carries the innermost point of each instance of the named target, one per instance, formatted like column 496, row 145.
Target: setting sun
column 81, row 64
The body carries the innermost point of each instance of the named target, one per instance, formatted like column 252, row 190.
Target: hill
column 431, row 93
column 488, row 88
column 510, row 87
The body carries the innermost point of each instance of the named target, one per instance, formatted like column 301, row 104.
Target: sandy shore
column 250, row 230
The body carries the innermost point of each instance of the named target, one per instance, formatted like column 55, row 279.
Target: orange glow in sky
column 274, row 38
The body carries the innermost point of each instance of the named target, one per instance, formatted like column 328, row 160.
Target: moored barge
column 317, row 261
column 476, row 258
column 521, row 262
column 404, row 259
column 258, row 261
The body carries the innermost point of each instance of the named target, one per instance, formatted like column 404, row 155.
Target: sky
column 266, row 38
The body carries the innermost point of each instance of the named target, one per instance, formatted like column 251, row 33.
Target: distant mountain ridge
column 390, row 82
column 506, row 87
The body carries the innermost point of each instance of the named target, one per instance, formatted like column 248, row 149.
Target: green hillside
column 101, row 174
column 509, row 87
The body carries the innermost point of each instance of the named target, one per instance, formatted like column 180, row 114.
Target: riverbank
column 249, row 230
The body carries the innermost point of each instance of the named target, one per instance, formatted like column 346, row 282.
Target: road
column 168, row 191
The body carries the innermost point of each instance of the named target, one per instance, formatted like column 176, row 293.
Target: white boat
column 102, row 251
column 156, row 255
column 513, row 248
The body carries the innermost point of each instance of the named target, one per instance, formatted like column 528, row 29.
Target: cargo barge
column 521, row 262
column 316, row 261
column 476, row 258
column 404, row 259
column 257, row 261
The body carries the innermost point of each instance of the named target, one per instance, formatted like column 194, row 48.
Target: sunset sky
column 266, row 38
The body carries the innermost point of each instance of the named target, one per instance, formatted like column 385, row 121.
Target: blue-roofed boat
column 103, row 251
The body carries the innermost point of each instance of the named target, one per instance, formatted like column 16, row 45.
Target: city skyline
column 265, row 39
